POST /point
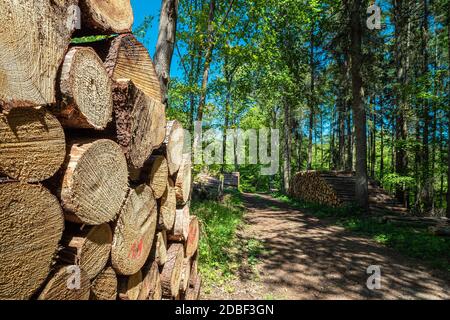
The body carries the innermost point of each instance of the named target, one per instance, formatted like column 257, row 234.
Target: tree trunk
column 104, row 287
column 134, row 232
column 138, row 120
column 95, row 182
column 171, row 272
column 26, row 133
column 57, row 287
column 106, row 17
column 30, row 245
column 448, row 117
column 208, row 59
column 88, row 247
column 126, row 58
column 35, row 37
column 359, row 113
column 86, row 91
column 349, row 162
column 166, row 44
column 287, row 147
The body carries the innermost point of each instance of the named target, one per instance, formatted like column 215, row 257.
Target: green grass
column 412, row 242
column 221, row 252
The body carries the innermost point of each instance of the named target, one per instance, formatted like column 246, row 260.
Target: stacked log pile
column 311, row 187
column 94, row 185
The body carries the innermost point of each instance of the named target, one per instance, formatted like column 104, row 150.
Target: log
column 180, row 230
column 138, row 121
column 106, row 17
column 95, row 182
column 151, row 285
column 159, row 250
column 171, row 272
column 193, row 293
column 31, row 225
column 167, row 207
column 34, row 38
column 88, row 247
column 174, row 146
column 127, row 58
column 311, row 187
column 129, row 287
column 85, row 99
column 134, row 231
column 32, row 145
column 104, row 287
column 443, row 231
column 193, row 237
column 64, row 285
column 157, row 177
column 183, row 182
column 185, row 275
column 194, row 270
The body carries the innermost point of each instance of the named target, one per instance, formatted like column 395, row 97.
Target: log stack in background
column 91, row 173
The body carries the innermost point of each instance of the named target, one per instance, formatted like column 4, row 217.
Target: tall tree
column 166, row 43
column 358, row 106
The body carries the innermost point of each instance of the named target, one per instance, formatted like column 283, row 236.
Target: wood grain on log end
column 95, row 182
column 171, row 272
column 134, row 231
column 174, row 145
column 106, row 17
column 168, row 207
column 180, row 231
column 31, row 225
column 86, row 91
column 88, row 247
column 34, row 38
column 104, row 287
column 67, row 284
column 193, row 237
column 151, row 284
column 129, row 59
column 157, row 177
column 32, row 145
column 183, row 182
column 129, row 287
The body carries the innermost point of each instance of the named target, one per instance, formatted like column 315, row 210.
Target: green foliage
column 393, row 180
column 90, row 39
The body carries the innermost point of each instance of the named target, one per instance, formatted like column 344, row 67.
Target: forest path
column 308, row 258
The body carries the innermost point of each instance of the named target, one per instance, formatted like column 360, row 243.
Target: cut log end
column 167, row 208
column 31, row 225
column 95, row 182
column 104, row 287
column 32, row 145
column 193, row 237
column 174, row 144
column 134, row 231
column 157, row 178
column 106, row 17
column 129, row 287
column 67, row 283
column 180, row 230
column 171, row 273
column 86, row 91
column 183, row 184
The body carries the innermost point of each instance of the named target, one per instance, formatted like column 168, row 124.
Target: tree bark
column 26, row 133
column 361, row 190
column 166, row 44
column 138, row 120
column 448, row 116
column 85, row 99
column 134, row 232
column 95, row 182
column 35, row 38
column 29, row 244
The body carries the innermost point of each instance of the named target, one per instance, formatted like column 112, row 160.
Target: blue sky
column 142, row 9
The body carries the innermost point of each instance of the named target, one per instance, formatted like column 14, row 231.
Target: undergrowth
column 412, row 242
column 221, row 252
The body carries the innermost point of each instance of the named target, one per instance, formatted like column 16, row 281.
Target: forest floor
column 304, row 257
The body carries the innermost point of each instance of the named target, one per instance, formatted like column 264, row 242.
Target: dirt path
column 310, row 259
